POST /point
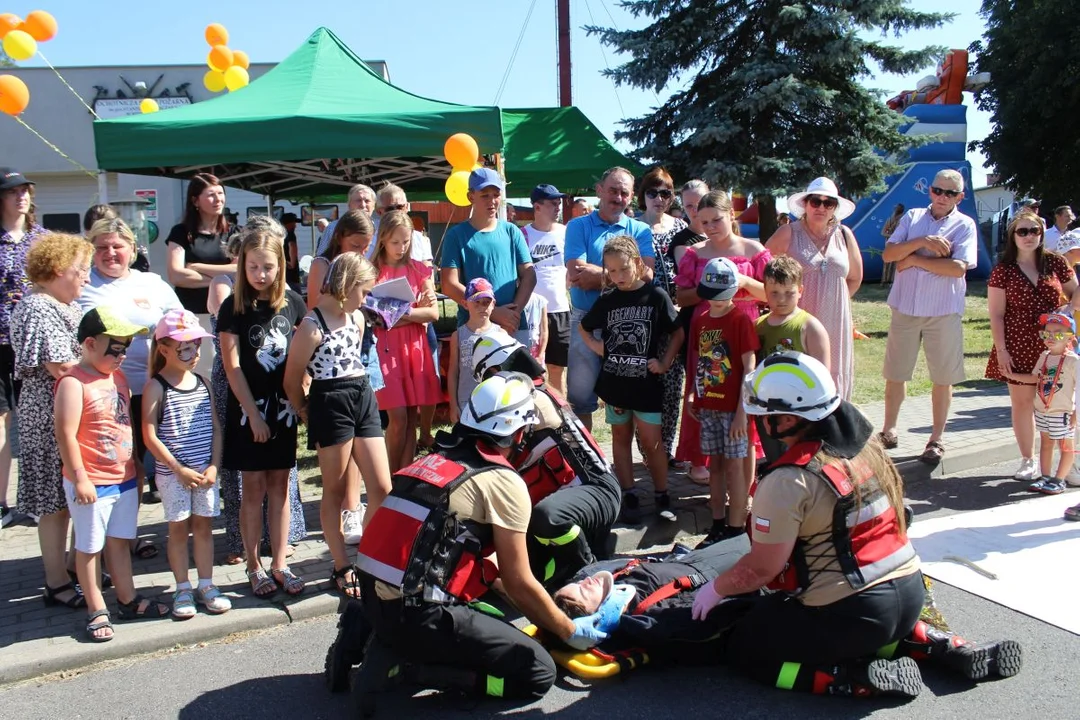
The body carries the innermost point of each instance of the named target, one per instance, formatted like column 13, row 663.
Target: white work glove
column 705, row 599
column 586, row 633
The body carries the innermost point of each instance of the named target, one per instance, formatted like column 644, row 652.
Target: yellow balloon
column 457, row 188
column 236, row 77
column 214, row 81
column 19, row 45
column 149, row 105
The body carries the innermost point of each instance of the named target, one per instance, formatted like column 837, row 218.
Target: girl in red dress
column 407, row 365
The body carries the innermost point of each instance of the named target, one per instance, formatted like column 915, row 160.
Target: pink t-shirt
column 692, row 265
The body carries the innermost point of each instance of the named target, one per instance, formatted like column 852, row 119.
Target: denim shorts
column 582, row 369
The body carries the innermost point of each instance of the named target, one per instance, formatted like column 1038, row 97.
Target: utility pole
column 563, row 14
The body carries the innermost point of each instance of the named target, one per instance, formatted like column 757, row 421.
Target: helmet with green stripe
column 791, row 383
column 500, row 406
column 492, row 350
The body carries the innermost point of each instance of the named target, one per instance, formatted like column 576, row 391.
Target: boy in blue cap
column 1054, row 378
column 487, row 247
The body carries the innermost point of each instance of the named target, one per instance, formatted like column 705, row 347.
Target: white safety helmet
column 500, row 406
column 492, row 350
column 791, row 383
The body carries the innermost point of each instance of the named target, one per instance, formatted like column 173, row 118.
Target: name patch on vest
column 434, row 470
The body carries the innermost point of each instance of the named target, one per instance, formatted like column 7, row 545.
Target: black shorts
column 558, row 344
column 341, row 409
column 9, row 386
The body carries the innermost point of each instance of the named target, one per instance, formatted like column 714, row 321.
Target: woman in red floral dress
column 1028, row 282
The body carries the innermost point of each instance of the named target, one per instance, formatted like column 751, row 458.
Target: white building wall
column 63, row 188
column 991, row 200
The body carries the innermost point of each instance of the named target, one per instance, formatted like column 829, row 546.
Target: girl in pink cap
column 183, row 433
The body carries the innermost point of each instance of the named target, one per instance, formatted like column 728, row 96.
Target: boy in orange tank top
column 93, row 432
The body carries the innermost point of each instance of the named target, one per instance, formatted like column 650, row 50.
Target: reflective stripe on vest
column 866, row 539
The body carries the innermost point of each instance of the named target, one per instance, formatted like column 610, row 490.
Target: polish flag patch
column 761, row 525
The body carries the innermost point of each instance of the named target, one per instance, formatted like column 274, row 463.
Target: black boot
column 878, row 678
column 347, row 650
column 890, row 678
column 381, row 667
column 975, row 661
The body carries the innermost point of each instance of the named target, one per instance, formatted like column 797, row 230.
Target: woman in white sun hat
column 832, row 269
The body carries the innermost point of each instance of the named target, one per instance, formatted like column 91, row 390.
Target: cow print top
column 338, row 355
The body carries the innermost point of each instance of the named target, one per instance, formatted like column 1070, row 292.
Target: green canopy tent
column 313, row 125
column 559, row 146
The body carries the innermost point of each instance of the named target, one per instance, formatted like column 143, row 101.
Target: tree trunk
column 766, row 207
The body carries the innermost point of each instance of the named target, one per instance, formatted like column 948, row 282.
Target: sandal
column 287, row 581
column 933, row 453
column 261, row 584
column 345, row 581
column 888, row 440
column 234, row 558
column 106, row 579
column 1072, row 513
column 92, row 627
column 76, row 601
column 141, row 608
column 144, row 549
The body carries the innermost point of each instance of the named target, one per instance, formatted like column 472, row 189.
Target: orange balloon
column 40, row 25
column 14, row 95
column 240, row 59
column 9, row 22
column 220, row 58
column 461, row 151
column 216, row 34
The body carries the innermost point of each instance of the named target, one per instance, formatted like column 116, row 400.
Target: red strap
column 627, row 568
column 674, row 587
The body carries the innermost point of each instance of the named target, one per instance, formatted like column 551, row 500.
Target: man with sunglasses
column 391, row 197
column 933, row 248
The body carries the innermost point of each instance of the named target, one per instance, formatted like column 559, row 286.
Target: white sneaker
column 1073, row 478
column 351, row 525
column 1028, row 471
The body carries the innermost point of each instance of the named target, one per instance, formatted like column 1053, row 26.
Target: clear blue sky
column 453, row 51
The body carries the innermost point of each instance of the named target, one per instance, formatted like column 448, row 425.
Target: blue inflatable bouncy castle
column 911, row 188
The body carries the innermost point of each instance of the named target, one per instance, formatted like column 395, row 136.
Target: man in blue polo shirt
column 584, row 250
column 490, row 248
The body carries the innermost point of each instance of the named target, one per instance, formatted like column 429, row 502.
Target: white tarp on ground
column 1031, row 550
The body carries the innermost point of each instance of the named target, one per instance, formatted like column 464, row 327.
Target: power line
column 614, row 85
column 617, row 29
column 513, row 55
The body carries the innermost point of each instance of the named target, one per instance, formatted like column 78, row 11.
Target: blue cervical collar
column 611, row 610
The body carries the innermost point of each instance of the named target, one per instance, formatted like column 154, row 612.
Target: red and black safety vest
column 866, row 531
column 416, row 544
column 552, row 458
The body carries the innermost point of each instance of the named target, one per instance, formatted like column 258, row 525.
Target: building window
column 63, row 222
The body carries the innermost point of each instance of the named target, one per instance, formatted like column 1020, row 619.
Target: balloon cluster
column 463, row 154
column 20, row 38
column 228, row 68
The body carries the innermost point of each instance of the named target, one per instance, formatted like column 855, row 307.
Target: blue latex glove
column 586, row 633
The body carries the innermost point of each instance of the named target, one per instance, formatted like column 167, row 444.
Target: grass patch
column 871, row 315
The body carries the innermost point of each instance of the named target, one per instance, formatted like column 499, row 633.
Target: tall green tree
column 1033, row 97
column 773, row 97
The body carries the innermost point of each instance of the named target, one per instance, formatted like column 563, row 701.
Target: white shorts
column 180, row 503
column 1056, row 425
column 115, row 515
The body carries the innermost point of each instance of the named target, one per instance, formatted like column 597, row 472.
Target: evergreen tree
column 1033, row 61
column 774, row 98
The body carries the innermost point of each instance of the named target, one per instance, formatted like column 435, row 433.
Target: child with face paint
column 184, row 436
column 94, row 435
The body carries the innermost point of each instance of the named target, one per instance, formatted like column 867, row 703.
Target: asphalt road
column 278, row 673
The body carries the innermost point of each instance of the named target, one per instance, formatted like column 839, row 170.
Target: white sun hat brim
column 827, row 188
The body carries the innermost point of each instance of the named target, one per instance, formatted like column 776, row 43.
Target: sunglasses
column 662, row 193
column 1059, row 335
column 942, row 191
column 816, row 201
column 1028, row 231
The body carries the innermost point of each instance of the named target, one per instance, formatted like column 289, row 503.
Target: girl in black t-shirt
column 196, row 247
column 634, row 317
column 256, row 325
